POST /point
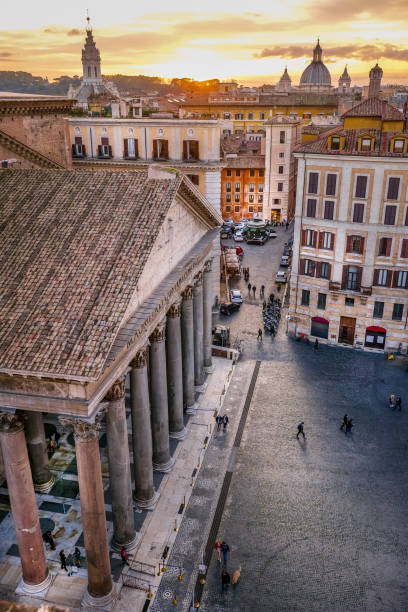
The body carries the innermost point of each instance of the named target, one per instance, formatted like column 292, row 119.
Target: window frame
column 378, row 310
column 305, row 297
column 309, row 202
column 387, row 191
column 280, row 187
column 387, row 209
column 356, row 182
column 321, row 301
column 332, row 195
column 310, row 172
column 358, row 205
column 333, row 203
column 397, row 314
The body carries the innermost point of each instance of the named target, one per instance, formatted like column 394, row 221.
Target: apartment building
column 349, row 281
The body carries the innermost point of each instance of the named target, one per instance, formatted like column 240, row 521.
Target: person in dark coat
column 225, row 420
column 218, row 421
column 344, row 423
column 225, row 580
column 349, row 426
column 398, row 403
column 300, row 430
column 225, row 549
column 77, row 556
column 63, row 560
column 316, row 345
column 47, row 537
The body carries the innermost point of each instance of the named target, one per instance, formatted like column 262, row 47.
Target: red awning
column 374, row 328
column 320, row 320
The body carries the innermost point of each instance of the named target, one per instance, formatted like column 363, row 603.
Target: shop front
column 319, row 327
column 276, row 215
column 375, row 337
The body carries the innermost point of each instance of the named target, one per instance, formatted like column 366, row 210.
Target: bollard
column 192, row 482
column 149, row 593
column 184, row 502
column 159, row 572
column 175, row 525
column 180, row 575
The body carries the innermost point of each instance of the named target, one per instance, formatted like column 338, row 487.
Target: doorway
column 347, row 330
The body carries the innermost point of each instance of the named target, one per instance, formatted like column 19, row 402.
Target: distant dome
column 316, row 73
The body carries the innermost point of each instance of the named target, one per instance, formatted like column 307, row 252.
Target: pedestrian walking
column 218, row 420
column 392, row 401
column 345, row 420
column 287, row 225
column 254, row 290
column 271, row 298
column 70, row 563
column 217, row 547
column 262, row 291
column 398, row 403
column 249, row 288
column 349, row 426
column 225, row 580
column 57, row 437
column 259, row 335
column 77, row 557
column 225, row 549
column 47, row 537
column 124, row 557
column 63, row 560
column 264, row 306
column 300, row 430
column 225, row 420
column 316, row 345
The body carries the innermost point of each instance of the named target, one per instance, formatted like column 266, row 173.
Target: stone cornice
column 142, row 164
column 12, row 106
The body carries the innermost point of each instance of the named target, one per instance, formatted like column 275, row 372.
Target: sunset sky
column 223, row 40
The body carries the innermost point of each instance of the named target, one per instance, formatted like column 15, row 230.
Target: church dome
column 316, row 73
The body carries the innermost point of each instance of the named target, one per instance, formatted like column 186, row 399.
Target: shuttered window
column 393, row 188
column 331, row 181
column 404, row 248
column 351, row 278
column 361, row 187
column 326, row 240
column 160, row 149
column 358, row 215
column 382, row 278
column 190, row 149
column 390, row 214
column 237, row 186
column 329, row 209
column 355, row 244
column 313, row 182
column 323, row 270
column 401, row 278
column 228, row 187
column 311, row 207
column 406, row 217
column 384, row 247
column 130, row 149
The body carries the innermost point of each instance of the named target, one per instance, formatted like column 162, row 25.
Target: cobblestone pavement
column 319, row 525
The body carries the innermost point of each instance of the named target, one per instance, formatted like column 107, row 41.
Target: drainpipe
column 300, row 240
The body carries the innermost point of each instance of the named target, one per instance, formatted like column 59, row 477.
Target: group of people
column 253, row 287
column 73, row 560
column 223, row 550
column 221, row 420
column 53, row 443
column 347, row 424
column 395, row 402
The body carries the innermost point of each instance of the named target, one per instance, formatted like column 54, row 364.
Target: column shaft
column 187, row 344
column 198, row 332
column 174, row 373
column 207, row 314
column 37, row 451
column 124, row 533
column 144, row 494
column 23, row 504
column 162, row 461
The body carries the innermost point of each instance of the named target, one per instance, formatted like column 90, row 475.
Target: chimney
column 375, row 82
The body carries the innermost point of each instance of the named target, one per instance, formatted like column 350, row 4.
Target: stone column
column 124, row 533
column 174, row 372
column 207, row 314
column 198, row 331
column 187, row 345
column 36, row 576
column 37, row 451
column 144, row 494
column 162, row 461
column 100, row 592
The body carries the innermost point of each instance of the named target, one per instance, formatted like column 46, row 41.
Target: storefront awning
column 320, row 320
column 374, row 328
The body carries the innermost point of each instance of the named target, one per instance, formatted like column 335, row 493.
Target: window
column 313, row 182
column 348, row 301
column 328, row 209
column 251, row 197
column 237, row 186
column 352, row 274
column 309, row 267
column 366, row 144
column 305, row 297
column 406, row 217
column 276, row 201
column 78, row 148
column 104, row 149
column 252, row 173
column 160, row 149
column 378, row 310
column 228, row 209
column 321, row 301
column 390, row 214
column 361, row 187
column 393, row 188
column 282, row 137
column 261, row 173
column 260, row 187
column 236, row 208
column 190, row 149
column 309, row 238
column 280, row 169
column 228, row 197
column 260, row 198
column 262, row 116
column 193, row 178
column 229, row 173
column 228, row 186
column 237, row 172
column 226, row 115
column 326, row 240
column 260, row 208
column 280, row 186
column 250, row 209
column 380, row 278
column 401, row 279
column 239, row 116
column 398, row 146
column 358, row 215
column 237, row 197
column 404, row 248
column 335, row 143
column 355, row 244
column 384, row 247
column 324, row 270
column 311, row 208
column 250, row 116
column 397, row 311
column 251, row 187
column 281, row 154
column 331, row 181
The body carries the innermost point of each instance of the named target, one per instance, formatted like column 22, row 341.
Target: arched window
column 96, row 73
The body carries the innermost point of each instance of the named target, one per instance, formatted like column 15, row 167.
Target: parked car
column 229, row 308
column 235, row 296
column 259, row 240
column 284, row 260
column 240, row 225
column 281, row 277
column 239, row 237
column 226, row 233
column 229, row 222
column 271, row 233
column 287, row 252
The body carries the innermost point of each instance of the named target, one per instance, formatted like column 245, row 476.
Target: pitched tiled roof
column 73, row 246
column 374, row 107
column 246, row 161
column 381, row 148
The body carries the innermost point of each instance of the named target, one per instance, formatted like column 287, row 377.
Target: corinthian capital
column 208, row 265
column 11, row 423
column 187, row 294
column 198, row 279
column 117, row 390
column 83, row 430
column 140, row 359
column 159, row 334
column 175, row 310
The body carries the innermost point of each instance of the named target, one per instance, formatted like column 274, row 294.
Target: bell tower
column 91, row 59
column 375, row 81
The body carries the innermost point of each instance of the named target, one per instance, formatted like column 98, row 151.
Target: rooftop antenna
column 88, row 19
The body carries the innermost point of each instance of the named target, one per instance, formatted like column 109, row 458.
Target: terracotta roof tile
column 374, row 107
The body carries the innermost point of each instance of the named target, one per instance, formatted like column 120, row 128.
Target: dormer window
column 399, row 145
column 366, row 144
column 335, row 143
